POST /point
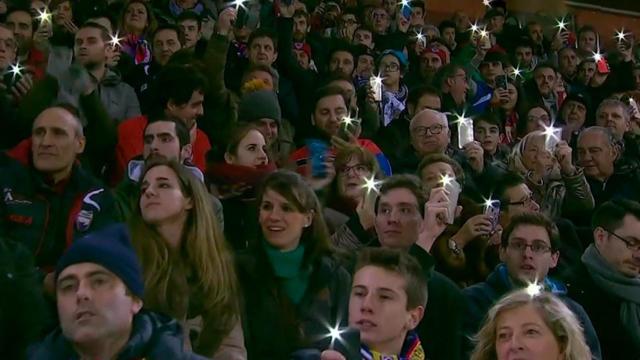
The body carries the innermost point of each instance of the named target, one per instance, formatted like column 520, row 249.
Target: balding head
column 57, row 139
column 429, row 132
column 597, row 152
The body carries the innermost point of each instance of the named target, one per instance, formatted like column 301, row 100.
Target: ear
column 503, row 253
column 554, row 259
column 415, row 315
column 188, row 203
column 275, row 56
column 228, row 158
column 309, row 218
column 171, row 105
column 411, row 109
column 136, row 306
column 599, row 236
column 449, row 82
column 313, row 120
column 81, row 141
column 186, row 152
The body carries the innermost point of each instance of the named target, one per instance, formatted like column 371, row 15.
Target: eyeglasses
column 538, row 247
column 527, row 201
column 423, row 130
column 390, row 67
column 631, row 245
column 359, row 169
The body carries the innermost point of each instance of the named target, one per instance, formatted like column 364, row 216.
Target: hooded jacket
column 482, row 296
column 47, row 218
column 153, row 336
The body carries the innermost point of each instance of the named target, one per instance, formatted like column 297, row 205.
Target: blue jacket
column 482, row 296
column 153, row 336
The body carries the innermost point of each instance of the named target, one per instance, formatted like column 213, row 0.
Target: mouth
column 527, row 267
column 84, row 315
column 366, row 325
column 275, row 229
column 151, row 204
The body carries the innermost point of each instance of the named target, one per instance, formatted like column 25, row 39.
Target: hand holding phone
column 453, row 189
column 492, row 210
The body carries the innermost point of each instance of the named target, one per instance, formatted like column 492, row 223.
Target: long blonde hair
column 203, row 250
column 556, row 315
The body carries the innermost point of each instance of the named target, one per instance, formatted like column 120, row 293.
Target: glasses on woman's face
column 634, row 246
column 537, row 247
column 358, row 169
column 527, row 202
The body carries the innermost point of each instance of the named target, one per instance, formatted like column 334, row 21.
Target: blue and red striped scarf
column 411, row 350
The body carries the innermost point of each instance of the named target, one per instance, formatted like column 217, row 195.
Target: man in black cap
column 99, row 289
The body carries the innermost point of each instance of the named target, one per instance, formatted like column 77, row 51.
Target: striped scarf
column 411, row 350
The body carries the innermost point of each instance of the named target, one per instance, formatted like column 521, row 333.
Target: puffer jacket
column 153, row 337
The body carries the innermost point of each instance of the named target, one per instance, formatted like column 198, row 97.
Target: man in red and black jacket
column 48, row 200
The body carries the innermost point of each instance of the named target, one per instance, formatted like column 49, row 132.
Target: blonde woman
column 188, row 270
column 522, row 325
column 558, row 185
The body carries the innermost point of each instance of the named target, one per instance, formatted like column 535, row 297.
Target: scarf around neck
column 411, row 350
column 625, row 288
column 287, row 266
column 393, row 104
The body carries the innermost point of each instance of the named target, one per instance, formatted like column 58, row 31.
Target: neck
column 103, row 349
column 172, row 232
column 392, row 87
column 98, row 71
column 458, row 99
column 61, row 175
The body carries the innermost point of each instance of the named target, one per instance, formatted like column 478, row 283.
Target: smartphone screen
column 493, row 211
column 318, row 151
column 348, row 344
column 406, row 12
column 501, row 82
column 453, row 189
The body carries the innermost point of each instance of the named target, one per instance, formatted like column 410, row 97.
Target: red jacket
column 130, row 145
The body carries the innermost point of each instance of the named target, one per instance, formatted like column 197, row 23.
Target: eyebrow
column 91, row 274
column 523, row 239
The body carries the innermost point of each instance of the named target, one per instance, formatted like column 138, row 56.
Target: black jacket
column 273, row 326
column 153, row 337
column 604, row 311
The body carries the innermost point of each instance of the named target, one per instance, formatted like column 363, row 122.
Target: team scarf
column 411, row 350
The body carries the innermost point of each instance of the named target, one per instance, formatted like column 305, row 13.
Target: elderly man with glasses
column 607, row 280
column 529, row 248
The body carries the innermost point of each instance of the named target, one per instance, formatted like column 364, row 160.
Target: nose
column 534, row 206
column 515, row 343
column 149, row 192
column 46, row 139
column 262, row 155
column 84, row 292
column 367, row 304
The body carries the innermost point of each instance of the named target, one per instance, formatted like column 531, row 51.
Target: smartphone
column 551, row 142
column 407, row 11
column 348, row 344
column 242, row 18
column 465, row 133
column 602, row 66
column 318, row 151
column 493, row 211
column 376, row 86
column 453, row 189
column 501, row 82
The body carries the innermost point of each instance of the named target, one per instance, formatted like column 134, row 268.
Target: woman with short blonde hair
column 525, row 323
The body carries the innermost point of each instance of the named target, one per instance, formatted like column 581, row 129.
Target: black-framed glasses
column 359, row 169
column 390, row 67
column 423, row 130
column 537, row 247
column 527, row 201
column 633, row 246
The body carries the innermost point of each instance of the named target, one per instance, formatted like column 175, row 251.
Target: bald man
column 48, row 200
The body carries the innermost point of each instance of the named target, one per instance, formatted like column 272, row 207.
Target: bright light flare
column 371, row 184
column 483, row 32
column 239, row 4
column 562, row 24
column 347, row 121
column 421, row 38
column 115, row 40
column 551, row 136
column 534, row 289
column 487, row 2
column 621, row 35
column 474, row 27
column 597, row 56
column 44, row 16
column 446, row 180
column 488, row 203
column 516, row 72
column 334, row 333
column 377, row 79
column 16, row 70
column 404, row 3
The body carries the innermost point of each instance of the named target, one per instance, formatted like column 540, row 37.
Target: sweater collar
column 286, row 264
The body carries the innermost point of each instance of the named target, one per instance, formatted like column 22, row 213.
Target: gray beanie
column 261, row 104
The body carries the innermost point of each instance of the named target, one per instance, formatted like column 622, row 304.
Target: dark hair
column 302, row 198
column 489, row 118
column 367, row 159
column 446, row 72
column 418, row 3
column 237, row 134
column 329, row 90
column 104, row 32
column 25, row 9
column 189, row 15
column 547, row 65
column 343, row 48
column 446, row 24
column 535, row 219
column 151, row 19
column 419, row 91
column 610, row 214
column 177, row 83
column 301, row 13
column 401, row 263
column 262, row 32
column 442, row 158
column 507, row 181
column 584, row 29
column 521, row 124
column 182, row 133
column 404, row 181
column 170, row 27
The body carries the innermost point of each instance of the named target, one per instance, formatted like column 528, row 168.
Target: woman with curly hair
column 533, row 326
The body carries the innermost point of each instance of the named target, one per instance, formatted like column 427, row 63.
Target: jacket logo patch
column 9, row 198
column 89, row 201
column 21, row 219
column 84, row 219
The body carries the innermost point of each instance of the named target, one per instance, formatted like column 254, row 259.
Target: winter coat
column 604, row 311
column 274, row 326
column 47, row 218
column 153, row 336
column 481, row 297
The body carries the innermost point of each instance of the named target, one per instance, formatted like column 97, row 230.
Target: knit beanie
column 260, row 104
column 111, row 248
